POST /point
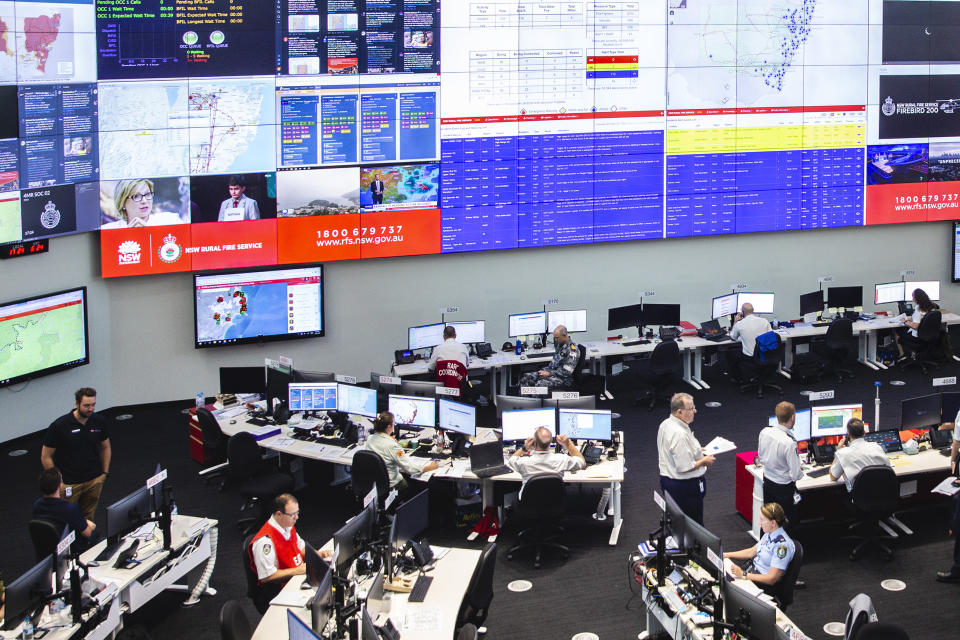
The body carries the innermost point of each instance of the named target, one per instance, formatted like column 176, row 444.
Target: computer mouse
column 233, row 422
column 523, row 357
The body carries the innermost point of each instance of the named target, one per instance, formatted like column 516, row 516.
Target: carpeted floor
column 590, row 592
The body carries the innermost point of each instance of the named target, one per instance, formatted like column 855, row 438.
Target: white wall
column 142, row 332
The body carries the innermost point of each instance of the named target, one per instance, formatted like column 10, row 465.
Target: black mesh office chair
column 261, row 595
column 366, row 470
column 214, row 440
column 881, row 631
column 837, row 346
column 758, row 372
column 584, row 382
column 253, row 478
column 783, row 589
column 479, row 595
column 658, row 373
column 926, row 349
column 46, row 535
column 542, row 503
column 875, row 493
column 234, row 624
column 467, row 632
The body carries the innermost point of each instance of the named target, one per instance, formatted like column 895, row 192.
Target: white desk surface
column 451, row 576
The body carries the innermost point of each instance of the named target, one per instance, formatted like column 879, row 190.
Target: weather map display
column 413, row 411
column 256, row 306
column 43, row 335
column 354, row 129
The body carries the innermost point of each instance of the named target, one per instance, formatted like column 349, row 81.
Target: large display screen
column 42, row 335
column 258, row 306
column 223, row 134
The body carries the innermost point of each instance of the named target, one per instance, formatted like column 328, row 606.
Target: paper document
column 719, row 445
column 293, row 597
column 422, row 619
column 946, row 487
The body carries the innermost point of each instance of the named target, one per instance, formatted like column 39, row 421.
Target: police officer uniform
column 561, row 368
column 860, row 453
column 777, row 450
column 775, row 550
column 395, row 458
column 678, row 451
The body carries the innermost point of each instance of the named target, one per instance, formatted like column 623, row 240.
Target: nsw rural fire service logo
column 170, row 251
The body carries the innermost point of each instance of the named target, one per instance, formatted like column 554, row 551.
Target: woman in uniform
column 772, row 555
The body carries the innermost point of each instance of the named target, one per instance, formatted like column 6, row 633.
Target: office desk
column 929, row 464
column 451, row 577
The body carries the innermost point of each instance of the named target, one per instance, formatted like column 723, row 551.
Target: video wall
column 232, row 133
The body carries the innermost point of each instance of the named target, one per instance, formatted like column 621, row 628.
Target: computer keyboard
column 336, row 442
column 818, row 472
column 632, row 343
column 819, row 324
column 420, row 587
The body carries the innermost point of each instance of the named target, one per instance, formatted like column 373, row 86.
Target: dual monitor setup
column 518, row 324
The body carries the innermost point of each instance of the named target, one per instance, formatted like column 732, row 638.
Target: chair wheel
column 509, row 556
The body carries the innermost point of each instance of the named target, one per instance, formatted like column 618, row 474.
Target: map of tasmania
column 38, row 43
column 240, row 312
column 42, row 340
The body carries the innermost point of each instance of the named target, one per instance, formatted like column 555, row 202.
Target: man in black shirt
column 51, row 507
column 78, row 444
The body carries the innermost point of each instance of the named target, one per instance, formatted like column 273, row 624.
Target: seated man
column 772, row 555
column 559, row 373
column 383, row 443
column 535, row 457
column 855, row 453
column 276, row 550
column 450, row 349
column 51, row 507
column 746, row 328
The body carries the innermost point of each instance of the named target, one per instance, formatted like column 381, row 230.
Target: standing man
column 746, row 328
column 78, row 444
column 559, row 373
column 777, row 450
column 682, row 460
column 449, row 349
column 377, row 187
column 535, row 456
column 238, row 206
column 855, row 453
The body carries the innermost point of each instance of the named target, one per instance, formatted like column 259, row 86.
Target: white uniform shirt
column 678, row 450
column 539, row 462
column 852, row 458
column 775, row 549
column 449, row 350
column 956, row 427
column 394, row 457
column 778, row 452
column 916, row 317
column 747, row 330
column 264, row 555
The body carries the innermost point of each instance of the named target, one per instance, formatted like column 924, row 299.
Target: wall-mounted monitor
column 43, row 334
column 243, row 307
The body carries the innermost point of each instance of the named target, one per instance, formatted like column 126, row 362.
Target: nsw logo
column 128, row 252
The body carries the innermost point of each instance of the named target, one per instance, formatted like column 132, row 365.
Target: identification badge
column 68, row 492
column 703, row 487
column 796, row 498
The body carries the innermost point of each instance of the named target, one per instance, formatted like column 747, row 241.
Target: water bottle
column 361, row 435
column 26, row 630
column 775, row 323
column 173, row 507
column 519, row 347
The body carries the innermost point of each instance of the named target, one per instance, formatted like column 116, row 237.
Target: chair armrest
column 214, row 469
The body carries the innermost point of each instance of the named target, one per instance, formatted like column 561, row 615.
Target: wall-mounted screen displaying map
column 258, row 306
column 43, row 335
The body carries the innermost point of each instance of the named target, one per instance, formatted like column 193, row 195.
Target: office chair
column 583, row 402
column 46, row 535
column 876, row 491
column 512, row 403
column 758, row 372
column 783, row 589
column 881, row 631
column 453, row 375
column 257, row 484
column 467, row 632
column 234, row 624
column 836, row 347
column 584, row 382
column 214, row 442
column 422, row 388
column 542, row 503
column 658, row 373
column 926, row 348
column 479, row 595
column 261, row 595
column 366, row 470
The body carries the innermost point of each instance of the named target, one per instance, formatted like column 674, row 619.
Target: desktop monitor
column 297, row 629
column 585, row 424
column 845, row 297
column 25, row 595
column 410, row 520
column 921, row 412
column 625, row 317
column 725, row 305
column 949, row 406
column 425, row 336
column 801, row 424
column 575, row 321
column 472, row 332
column 278, row 382
column 520, row 424
column 888, row 439
column 321, row 605
column 350, row 540
column 513, row 403
column 359, row 401
column 128, row 513
column 675, row 517
column 751, row 617
column 762, row 301
column 242, row 380
column 831, row 420
column 421, row 388
column 316, row 567
column 526, row 324
column 61, row 564
column 413, row 411
column 930, row 287
column 811, row 302
column 663, row 315
column 697, row 542
column 368, row 630
column 313, row 396
column 887, row 292
column 301, row 375
column 583, row 402
column 457, row 417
